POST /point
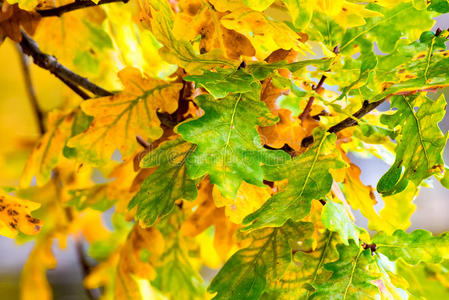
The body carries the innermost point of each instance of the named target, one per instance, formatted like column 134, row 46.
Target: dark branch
column 308, row 107
column 31, row 92
column 58, row 11
column 348, row 122
column 48, row 62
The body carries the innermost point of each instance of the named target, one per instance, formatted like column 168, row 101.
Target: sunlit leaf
column 246, row 274
column 352, row 275
column 308, row 179
column 15, row 216
column 120, row 118
column 420, row 144
column 168, row 183
column 229, row 147
column 414, row 247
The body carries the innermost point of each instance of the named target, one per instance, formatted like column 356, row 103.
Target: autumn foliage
column 218, row 134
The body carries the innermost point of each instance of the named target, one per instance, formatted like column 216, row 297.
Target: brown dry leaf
column 118, row 119
column 15, row 215
column 13, row 19
column 137, row 260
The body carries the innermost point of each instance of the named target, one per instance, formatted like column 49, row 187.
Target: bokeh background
column 18, row 133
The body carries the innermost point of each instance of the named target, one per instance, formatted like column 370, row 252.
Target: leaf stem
column 50, row 63
column 79, row 4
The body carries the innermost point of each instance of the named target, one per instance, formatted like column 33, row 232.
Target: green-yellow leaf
column 118, row 119
column 247, row 273
column 160, row 190
column 225, row 81
column 308, row 178
column 229, row 147
column 414, row 247
column 352, row 275
column 420, row 143
column 335, row 218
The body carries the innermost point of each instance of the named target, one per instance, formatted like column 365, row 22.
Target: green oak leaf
column 420, row 143
column 399, row 22
column 229, row 146
column 424, row 280
column 168, row 183
column 335, row 218
column 246, row 274
column 308, row 179
column 352, row 275
column 225, row 81
column 262, row 70
column 441, row 6
column 419, row 245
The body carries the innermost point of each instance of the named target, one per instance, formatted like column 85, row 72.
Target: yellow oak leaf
column 199, row 18
column 207, row 214
column 15, row 216
column 137, row 261
column 358, row 195
column 118, row 119
column 265, row 35
column 102, row 275
column 249, row 198
column 33, row 281
column 397, row 210
column 345, row 13
column 48, row 151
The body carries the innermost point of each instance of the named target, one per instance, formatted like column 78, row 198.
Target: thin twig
column 31, row 92
column 348, row 122
column 58, row 11
column 48, row 62
column 308, row 107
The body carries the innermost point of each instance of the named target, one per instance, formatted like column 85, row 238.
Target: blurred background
column 18, row 132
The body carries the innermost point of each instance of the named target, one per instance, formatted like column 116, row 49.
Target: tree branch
column 48, row 62
column 31, row 92
column 58, row 11
column 348, row 122
column 308, row 107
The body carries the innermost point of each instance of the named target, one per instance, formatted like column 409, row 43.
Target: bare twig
column 58, row 11
column 31, row 92
column 308, row 107
column 348, row 122
column 48, row 62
